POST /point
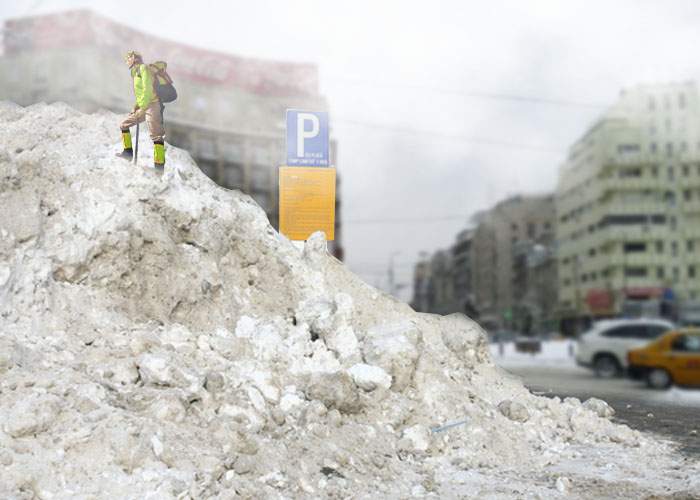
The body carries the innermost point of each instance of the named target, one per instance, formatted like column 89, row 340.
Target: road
column 634, row 404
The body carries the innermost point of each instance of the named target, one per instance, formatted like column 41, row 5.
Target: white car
column 604, row 347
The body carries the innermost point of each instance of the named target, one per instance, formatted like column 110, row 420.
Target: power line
column 407, row 220
column 457, row 137
column 473, row 94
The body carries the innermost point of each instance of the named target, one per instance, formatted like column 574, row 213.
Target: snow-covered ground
column 554, row 353
column 557, row 356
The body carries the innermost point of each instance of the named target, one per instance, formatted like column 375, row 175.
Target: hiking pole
column 136, row 148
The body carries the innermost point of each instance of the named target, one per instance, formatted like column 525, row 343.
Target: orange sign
column 307, row 202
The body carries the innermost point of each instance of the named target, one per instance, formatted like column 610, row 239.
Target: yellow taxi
column 674, row 358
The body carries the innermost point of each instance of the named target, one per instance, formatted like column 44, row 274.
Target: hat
column 135, row 54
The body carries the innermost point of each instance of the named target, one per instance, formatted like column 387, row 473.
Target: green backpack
column 165, row 90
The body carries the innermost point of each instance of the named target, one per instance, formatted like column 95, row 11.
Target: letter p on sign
column 303, row 133
column 307, row 138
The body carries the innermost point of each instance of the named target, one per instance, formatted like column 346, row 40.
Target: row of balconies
column 611, row 235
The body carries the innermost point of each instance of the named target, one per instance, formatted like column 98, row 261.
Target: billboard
column 79, row 28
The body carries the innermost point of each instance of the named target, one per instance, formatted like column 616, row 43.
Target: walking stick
column 136, row 149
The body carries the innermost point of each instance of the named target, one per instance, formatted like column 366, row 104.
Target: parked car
column 604, row 347
column 672, row 359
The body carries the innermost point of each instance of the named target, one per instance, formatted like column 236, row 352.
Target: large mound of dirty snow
column 158, row 339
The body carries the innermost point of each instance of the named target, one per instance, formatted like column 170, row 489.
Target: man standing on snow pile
column 147, row 107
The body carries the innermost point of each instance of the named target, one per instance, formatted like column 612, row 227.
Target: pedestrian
column 148, row 107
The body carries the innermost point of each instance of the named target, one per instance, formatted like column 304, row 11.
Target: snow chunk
column 369, row 377
column 599, row 407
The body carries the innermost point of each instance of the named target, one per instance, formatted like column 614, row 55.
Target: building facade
column 501, row 271
column 502, row 241
column 628, row 205
column 230, row 112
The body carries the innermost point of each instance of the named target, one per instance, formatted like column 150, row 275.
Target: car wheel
column 606, row 366
column 658, row 378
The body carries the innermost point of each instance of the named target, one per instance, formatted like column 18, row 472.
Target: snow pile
column 160, row 340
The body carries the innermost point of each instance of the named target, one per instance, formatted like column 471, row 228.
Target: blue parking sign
column 307, row 138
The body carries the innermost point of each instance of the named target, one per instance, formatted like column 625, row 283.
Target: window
column 686, row 343
column 660, row 273
column 674, row 248
column 205, row 147
column 626, row 332
column 232, row 151
column 655, row 331
column 625, row 149
column 635, row 247
column 260, row 178
column 591, row 252
column 686, row 170
column 690, row 246
column 670, row 173
column 630, row 172
column 683, row 146
column 676, row 274
column 625, row 220
column 672, row 222
column 531, row 230
column 681, row 100
column 233, row 175
column 655, row 170
column 652, row 148
column 669, row 149
column 670, row 198
column 659, row 246
column 261, row 155
column 687, row 195
column 691, row 271
column 635, row 272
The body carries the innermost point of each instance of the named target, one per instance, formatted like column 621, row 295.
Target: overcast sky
column 432, row 66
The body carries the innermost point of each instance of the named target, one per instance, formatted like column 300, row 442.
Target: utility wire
column 456, row 137
column 472, row 94
column 464, row 218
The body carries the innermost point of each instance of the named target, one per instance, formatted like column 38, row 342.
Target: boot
column 128, row 153
column 159, row 155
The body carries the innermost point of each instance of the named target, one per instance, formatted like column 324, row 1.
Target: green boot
column 128, row 153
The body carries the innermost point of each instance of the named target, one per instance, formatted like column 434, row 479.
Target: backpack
column 165, row 90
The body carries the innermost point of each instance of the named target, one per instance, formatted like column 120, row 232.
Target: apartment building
column 500, row 235
column 501, row 270
column 628, row 205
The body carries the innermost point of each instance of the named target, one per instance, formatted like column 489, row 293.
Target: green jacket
column 143, row 85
